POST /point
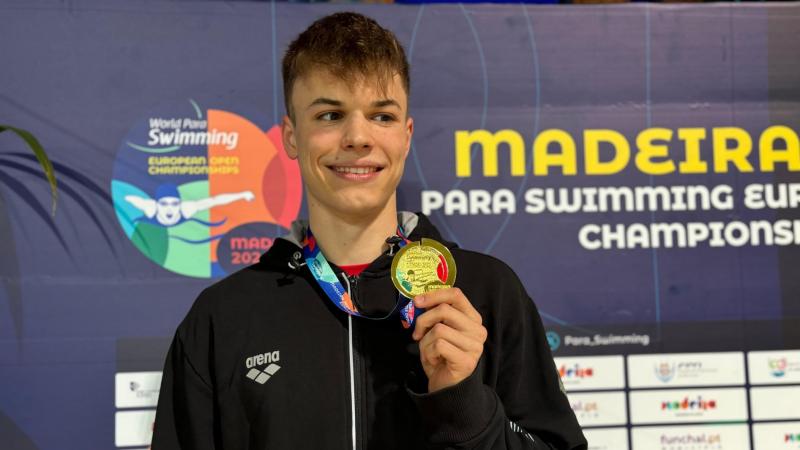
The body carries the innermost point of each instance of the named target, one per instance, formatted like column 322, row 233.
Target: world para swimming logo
column 553, row 340
column 203, row 192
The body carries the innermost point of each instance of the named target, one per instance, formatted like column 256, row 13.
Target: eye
column 329, row 116
column 384, row 117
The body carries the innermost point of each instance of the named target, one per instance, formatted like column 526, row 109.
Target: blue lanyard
column 323, row 273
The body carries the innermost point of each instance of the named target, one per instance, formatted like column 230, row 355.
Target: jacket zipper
column 353, row 431
column 352, row 286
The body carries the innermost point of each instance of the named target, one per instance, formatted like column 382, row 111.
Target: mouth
column 356, row 172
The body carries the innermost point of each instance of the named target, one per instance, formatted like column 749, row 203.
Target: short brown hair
column 350, row 46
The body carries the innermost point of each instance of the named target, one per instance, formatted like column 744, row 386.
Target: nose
column 357, row 133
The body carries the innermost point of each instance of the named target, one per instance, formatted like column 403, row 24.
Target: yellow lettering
column 489, row 143
column 556, row 148
column 591, row 143
column 542, row 159
column 737, row 154
column 648, row 150
column 769, row 155
column 691, row 138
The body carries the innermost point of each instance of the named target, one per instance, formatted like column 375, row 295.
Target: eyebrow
column 324, row 101
column 332, row 102
column 383, row 103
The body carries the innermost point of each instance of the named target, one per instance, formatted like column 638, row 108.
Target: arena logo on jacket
column 203, row 192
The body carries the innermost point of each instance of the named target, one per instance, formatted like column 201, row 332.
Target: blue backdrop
column 97, row 291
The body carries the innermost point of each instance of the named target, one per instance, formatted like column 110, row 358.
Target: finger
column 452, row 296
column 441, row 351
column 463, row 342
column 448, row 315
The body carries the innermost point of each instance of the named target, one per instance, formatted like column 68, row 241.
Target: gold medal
column 423, row 266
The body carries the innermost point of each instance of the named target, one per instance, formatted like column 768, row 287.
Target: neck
column 348, row 240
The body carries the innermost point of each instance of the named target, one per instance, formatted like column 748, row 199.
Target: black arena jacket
column 264, row 360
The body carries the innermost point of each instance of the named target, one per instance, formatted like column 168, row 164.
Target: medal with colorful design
column 423, row 266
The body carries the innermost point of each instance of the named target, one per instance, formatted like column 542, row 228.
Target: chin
column 361, row 206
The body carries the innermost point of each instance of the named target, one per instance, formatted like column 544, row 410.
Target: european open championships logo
column 203, row 193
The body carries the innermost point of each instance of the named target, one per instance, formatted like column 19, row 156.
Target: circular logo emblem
column 203, row 192
column 553, row 340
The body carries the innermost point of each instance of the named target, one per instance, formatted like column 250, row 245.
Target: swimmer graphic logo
column 203, row 192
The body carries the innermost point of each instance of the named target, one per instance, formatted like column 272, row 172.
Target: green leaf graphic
column 41, row 156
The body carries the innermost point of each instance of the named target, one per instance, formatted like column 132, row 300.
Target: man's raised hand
column 451, row 337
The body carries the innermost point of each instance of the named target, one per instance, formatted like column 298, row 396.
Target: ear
column 409, row 134
column 287, row 135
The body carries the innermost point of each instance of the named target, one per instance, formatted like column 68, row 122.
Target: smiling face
column 351, row 142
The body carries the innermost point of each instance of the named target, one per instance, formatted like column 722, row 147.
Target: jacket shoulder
column 484, row 268
column 482, row 260
column 491, row 284
column 230, row 298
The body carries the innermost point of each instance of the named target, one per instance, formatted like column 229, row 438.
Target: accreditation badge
column 423, row 266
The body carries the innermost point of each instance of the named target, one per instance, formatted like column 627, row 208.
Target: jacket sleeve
column 185, row 413
column 518, row 404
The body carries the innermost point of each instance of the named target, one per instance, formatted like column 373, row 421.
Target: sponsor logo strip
column 775, row 403
column 776, row 436
column 774, row 367
column 599, row 408
column 136, row 389
column 607, row 438
column 686, row 369
column 591, row 372
column 688, row 405
column 705, row 437
column 133, row 428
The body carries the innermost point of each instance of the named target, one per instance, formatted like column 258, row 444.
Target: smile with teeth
column 355, row 170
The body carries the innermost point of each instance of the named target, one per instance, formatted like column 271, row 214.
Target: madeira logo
column 687, row 404
column 203, row 192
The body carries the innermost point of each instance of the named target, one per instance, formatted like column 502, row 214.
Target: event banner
column 638, row 166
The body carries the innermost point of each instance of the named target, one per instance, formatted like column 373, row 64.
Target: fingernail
column 419, row 300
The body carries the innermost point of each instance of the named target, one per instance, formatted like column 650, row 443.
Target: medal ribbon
column 323, row 273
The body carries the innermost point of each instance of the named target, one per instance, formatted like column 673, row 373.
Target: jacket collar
column 297, row 232
column 284, row 253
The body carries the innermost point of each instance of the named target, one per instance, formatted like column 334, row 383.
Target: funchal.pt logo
column 691, row 441
column 203, row 192
column 585, row 409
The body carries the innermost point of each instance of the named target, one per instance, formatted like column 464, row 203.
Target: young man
column 307, row 349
